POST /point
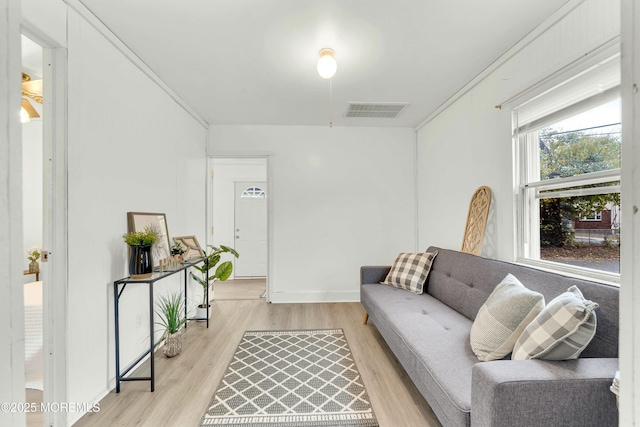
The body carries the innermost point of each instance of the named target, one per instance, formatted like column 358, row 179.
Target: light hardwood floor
column 186, row 384
column 239, row 289
column 34, row 419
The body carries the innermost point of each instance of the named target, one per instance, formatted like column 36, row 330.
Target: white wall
column 339, row 198
column 222, row 201
column 469, row 144
column 131, row 148
column 11, row 308
column 31, row 188
column 46, row 20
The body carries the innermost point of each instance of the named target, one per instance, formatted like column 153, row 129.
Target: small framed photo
column 191, row 245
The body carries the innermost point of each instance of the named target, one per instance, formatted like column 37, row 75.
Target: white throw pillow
column 561, row 331
column 503, row 317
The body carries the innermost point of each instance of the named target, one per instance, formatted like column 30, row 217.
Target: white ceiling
column 254, row 62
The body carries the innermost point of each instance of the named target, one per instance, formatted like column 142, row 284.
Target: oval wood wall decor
column 477, row 221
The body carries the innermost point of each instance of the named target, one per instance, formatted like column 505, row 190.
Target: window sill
column 572, row 271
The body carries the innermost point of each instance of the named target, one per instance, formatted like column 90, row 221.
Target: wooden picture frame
column 137, row 221
column 190, row 243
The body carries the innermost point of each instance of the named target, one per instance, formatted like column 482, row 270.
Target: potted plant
column 178, row 249
column 170, row 311
column 140, row 255
column 222, row 273
column 33, row 256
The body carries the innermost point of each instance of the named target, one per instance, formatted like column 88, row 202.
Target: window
column 253, row 193
column 595, row 217
column 568, row 174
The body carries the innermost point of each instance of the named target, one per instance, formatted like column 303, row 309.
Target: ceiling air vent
column 389, row 110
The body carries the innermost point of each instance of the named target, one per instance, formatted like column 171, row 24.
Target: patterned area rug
column 292, row 379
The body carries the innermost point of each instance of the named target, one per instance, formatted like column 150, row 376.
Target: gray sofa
column 429, row 334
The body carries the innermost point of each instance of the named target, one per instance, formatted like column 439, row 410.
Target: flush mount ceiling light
column 327, row 65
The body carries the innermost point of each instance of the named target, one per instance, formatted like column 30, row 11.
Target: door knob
column 237, row 237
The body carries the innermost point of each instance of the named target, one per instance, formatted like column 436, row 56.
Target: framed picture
column 191, row 245
column 137, row 221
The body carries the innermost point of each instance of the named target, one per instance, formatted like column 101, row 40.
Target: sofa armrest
column 535, row 393
column 373, row 274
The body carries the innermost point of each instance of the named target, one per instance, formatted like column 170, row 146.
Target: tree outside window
column 567, row 154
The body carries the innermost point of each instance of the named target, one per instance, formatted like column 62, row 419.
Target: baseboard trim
column 311, row 297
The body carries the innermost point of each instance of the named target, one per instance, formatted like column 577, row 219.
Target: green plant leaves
column 211, row 260
column 170, row 311
column 229, row 250
column 224, row 270
column 141, row 238
column 198, row 279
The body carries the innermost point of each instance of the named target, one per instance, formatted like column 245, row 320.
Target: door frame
column 268, row 158
column 55, row 233
column 55, row 223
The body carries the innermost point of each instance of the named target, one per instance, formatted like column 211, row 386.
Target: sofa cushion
column 410, row 270
column 561, row 331
column 464, row 282
column 503, row 317
column 431, row 341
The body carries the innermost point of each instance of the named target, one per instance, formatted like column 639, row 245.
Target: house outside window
column 596, row 217
column 568, row 174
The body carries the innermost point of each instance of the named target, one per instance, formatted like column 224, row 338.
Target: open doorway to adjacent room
column 238, row 217
column 32, row 201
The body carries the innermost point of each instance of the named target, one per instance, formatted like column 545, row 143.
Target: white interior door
column 251, row 229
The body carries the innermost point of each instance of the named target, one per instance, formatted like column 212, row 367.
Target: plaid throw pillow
column 561, row 331
column 410, row 271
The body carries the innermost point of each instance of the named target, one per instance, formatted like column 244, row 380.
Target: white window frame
column 253, row 193
column 529, row 194
column 597, row 217
column 529, row 190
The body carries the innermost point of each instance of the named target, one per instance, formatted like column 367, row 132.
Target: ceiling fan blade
column 33, row 86
column 33, row 114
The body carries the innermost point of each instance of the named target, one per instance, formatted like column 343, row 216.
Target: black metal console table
column 118, row 287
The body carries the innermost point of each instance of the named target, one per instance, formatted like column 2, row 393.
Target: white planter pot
column 201, row 312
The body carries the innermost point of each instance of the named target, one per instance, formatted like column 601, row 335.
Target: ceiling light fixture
column 327, row 65
column 24, row 116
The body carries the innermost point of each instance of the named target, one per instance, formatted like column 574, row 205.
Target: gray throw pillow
column 503, row 317
column 410, row 270
column 561, row 331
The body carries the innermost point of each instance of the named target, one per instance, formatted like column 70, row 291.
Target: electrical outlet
column 45, row 256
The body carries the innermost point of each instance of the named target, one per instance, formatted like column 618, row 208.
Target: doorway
column 250, row 224
column 238, row 207
column 45, row 223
